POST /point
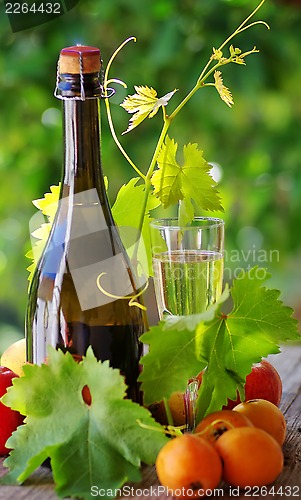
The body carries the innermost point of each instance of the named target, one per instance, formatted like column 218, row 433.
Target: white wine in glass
column 188, row 268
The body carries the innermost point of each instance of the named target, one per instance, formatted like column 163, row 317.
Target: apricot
column 14, row 357
column 177, row 407
column 189, row 466
column 215, row 424
column 264, row 415
column 251, row 457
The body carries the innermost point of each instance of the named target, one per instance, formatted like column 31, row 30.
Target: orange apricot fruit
column 264, row 415
column 251, row 457
column 189, row 466
column 215, row 424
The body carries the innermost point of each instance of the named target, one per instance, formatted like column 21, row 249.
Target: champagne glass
column 188, row 264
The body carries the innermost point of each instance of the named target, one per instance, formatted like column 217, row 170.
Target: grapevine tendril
column 132, row 301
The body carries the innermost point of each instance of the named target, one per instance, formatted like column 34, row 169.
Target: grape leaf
column 226, row 345
column 97, row 444
column 223, row 91
column 127, row 212
column 143, row 104
column 41, row 234
column 185, row 212
column 48, row 206
column 172, row 358
column 49, row 203
column 192, row 181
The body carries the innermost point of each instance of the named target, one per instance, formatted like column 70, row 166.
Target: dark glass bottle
column 80, row 293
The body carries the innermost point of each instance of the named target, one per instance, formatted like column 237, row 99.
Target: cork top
column 71, row 59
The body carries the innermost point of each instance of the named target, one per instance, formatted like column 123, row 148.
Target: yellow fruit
column 215, row 424
column 250, row 456
column 189, row 466
column 177, row 408
column 264, row 415
column 14, row 357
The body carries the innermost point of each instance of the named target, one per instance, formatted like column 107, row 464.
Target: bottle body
column 80, row 293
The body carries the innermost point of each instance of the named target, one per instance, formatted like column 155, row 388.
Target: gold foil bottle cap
column 79, row 59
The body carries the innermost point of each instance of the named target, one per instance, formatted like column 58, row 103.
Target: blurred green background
column 255, row 146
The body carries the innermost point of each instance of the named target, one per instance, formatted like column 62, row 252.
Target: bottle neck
column 82, row 160
column 78, row 87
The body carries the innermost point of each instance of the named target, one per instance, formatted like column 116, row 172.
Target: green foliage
column 127, row 211
column 101, row 443
column 192, row 181
column 144, row 103
column 225, row 344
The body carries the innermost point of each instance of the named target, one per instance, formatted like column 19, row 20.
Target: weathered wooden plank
column 288, row 364
column 40, row 486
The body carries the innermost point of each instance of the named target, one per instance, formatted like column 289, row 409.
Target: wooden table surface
column 40, row 485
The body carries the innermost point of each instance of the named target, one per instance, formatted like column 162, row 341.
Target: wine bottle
column 83, row 287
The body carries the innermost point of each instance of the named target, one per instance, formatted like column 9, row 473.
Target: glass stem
column 190, row 399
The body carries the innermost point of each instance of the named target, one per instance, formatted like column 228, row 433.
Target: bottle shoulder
column 85, row 257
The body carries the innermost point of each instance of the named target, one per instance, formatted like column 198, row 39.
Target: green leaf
column 256, row 326
column 186, row 212
column 42, row 234
column 49, row 203
column 192, row 181
column 172, row 358
column 48, row 207
column 101, row 444
column 143, row 104
column 223, row 91
column 227, row 345
column 127, row 212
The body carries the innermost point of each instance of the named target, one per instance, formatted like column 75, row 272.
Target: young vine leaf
column 98, row 444
column 191, row 181
column 47, row 206
column 235, row 54
column 49, row 203
column 223, row 91
column 143, row 104
column 226, row 345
